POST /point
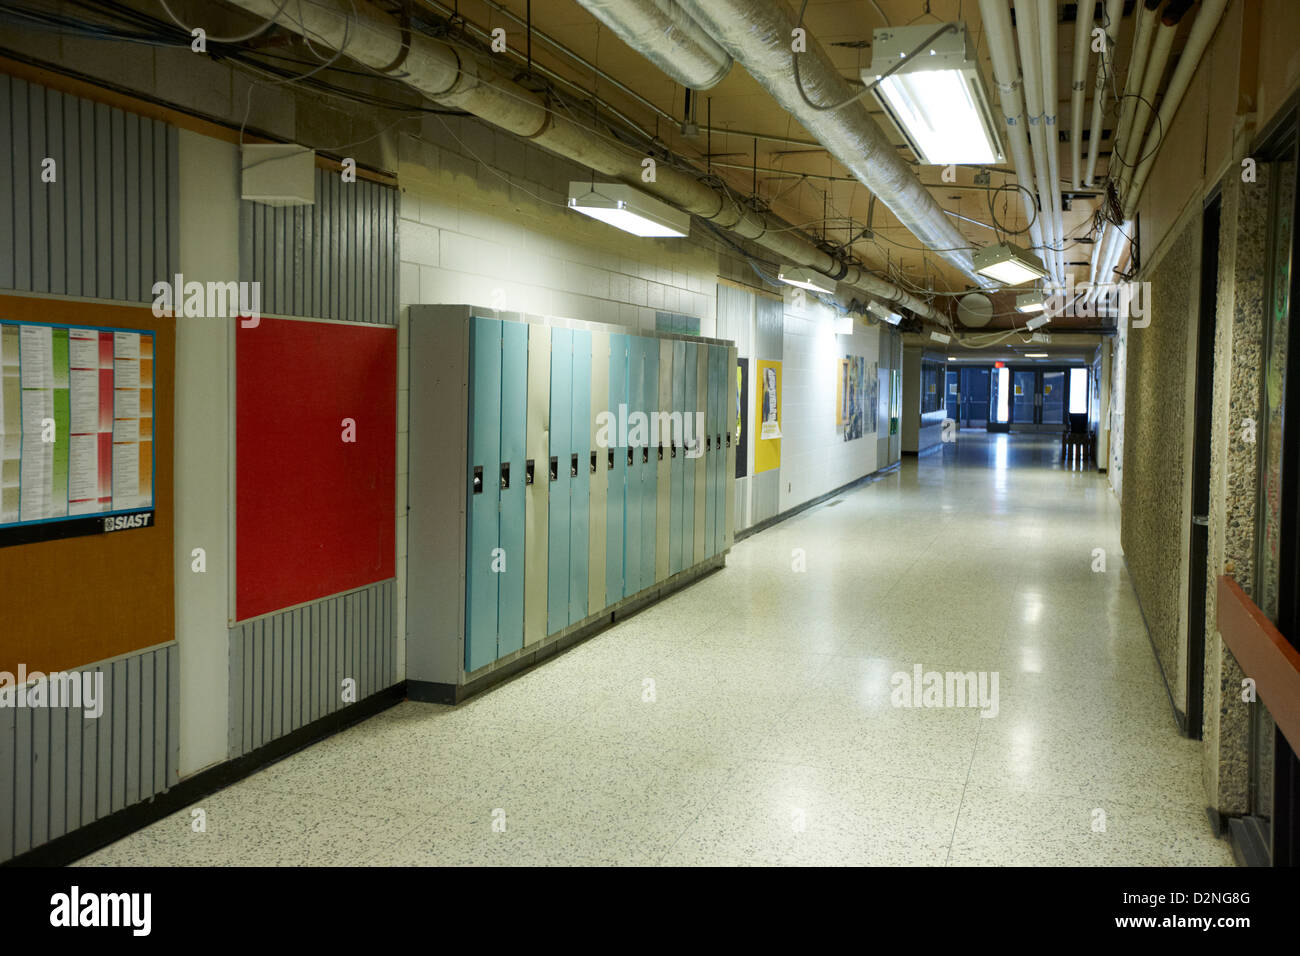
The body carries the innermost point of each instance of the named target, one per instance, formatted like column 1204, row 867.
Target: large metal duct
column 452, row 76
column 665, row 34
column 758, row 33
column 997, row 29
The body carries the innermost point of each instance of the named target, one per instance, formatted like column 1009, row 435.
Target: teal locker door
column 694, row 436
column 711, row 452
column 720, row 445
column 484, row 519
column 580, row 477
column 514, row 434
column 677, row 497
column 650, row 466
column 558, row 469
column 616, row 470
column 636, row 443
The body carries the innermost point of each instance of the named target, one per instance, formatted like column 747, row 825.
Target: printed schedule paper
column 76, row 429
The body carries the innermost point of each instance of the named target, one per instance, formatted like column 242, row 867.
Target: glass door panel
column 1022, row 399
column 1054, row 398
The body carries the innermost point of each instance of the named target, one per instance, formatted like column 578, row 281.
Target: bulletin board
column 315, row 461
column 73, row 600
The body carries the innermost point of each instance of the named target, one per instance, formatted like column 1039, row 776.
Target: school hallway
column 748, row 719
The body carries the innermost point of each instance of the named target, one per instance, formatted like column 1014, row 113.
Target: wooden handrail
column 1264, row 654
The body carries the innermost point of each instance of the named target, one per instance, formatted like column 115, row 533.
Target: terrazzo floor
column 747, row 720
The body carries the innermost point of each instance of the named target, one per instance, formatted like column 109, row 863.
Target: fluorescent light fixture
column 1037, row 322
column 952, row 358
column 943, row 337
column 1041, row 338
column 805, row 278
column 935, row 93
column 883, row 312
column 628, row 209
column 1030, row 302
column 1009, row 264
column 1035, row 355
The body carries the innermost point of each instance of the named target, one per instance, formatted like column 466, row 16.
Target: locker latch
column 478, row 479
column 505, row 475
column 661, row 451
column 708, row 443
column 555, row 468
column 611, row 460
column 674, row 450
column 645, row 454
column 728, row 439
column 528, row 472
column 593, row 462
column 573, row 466
column 717, row 442
column 629, row 457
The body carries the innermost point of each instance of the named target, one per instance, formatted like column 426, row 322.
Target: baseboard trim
column 814, row 502
column 94, row 836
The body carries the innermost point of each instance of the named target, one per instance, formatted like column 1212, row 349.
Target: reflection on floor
column 748, row 720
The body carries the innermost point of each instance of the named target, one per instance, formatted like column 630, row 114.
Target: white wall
column 469, row 236
column 815, row 458
column 209, row 251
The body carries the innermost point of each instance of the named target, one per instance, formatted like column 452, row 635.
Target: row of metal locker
column 566, row 518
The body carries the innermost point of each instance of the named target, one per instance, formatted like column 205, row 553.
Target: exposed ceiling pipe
column 758, row 34
column 1122, row 169
column 1082, row 31
column 453, row 76
column 1047, row 65
column 1137, row 62
column 1105, row 66
column 665, row 34
column 997, row 28
column 1207, row 21
column 1028, row 41
column 1203, row 27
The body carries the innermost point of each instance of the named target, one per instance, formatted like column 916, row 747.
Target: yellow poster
column 767, row 412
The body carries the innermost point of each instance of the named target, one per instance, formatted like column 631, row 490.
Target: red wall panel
column 314, row 514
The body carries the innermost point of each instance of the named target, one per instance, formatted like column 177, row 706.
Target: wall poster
column 856, row 405
column 767, row 395
column 76, row 431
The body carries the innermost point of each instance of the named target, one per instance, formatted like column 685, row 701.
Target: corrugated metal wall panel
column 287, row 669
column 330, row 260
column 94, row 231
column 60, row 769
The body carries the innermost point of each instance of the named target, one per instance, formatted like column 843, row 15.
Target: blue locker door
column 636, row 440
column 514, row 431
column 679, row 459
column 580, row 483
column 720, row 436
column 484, row 518
column 558, row 474
column 616, row 470
column 650, row 469
column 710, row 453
column 695, row 436
column 716, row 467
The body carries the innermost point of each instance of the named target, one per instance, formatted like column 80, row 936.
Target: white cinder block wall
column 815, row 458
column 484, row 222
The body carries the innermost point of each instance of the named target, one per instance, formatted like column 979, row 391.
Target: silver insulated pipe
column 665, row 34
column 758, row 34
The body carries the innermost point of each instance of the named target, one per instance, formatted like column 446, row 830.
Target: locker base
column 436, row 693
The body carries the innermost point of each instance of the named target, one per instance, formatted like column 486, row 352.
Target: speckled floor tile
column 750, row 719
